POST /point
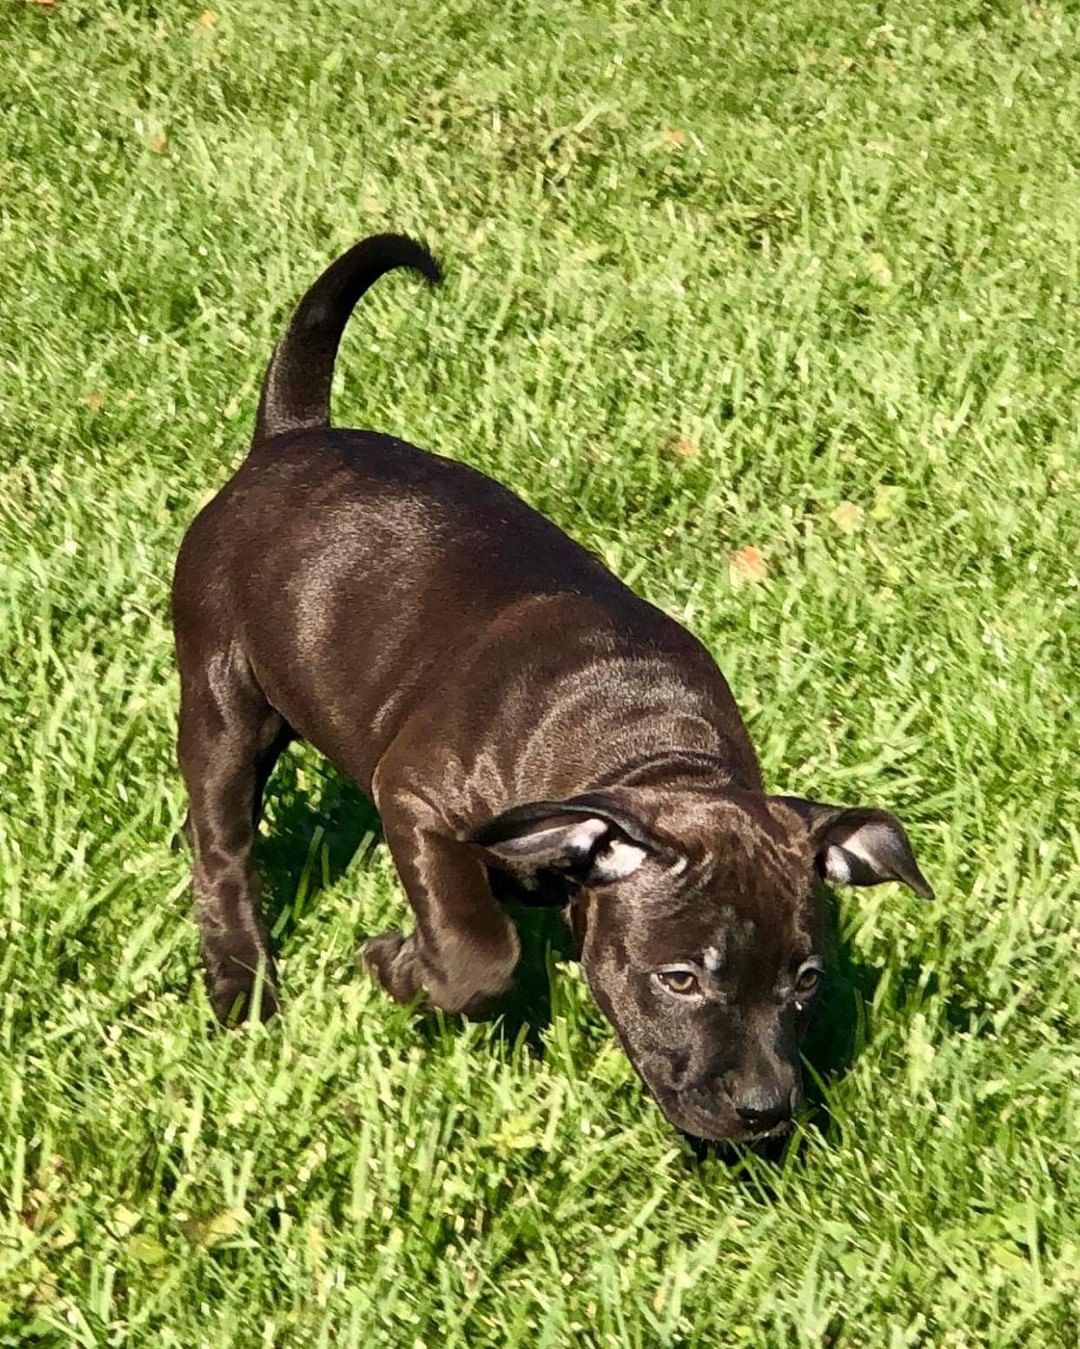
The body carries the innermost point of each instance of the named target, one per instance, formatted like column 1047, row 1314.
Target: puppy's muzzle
column 737, row 1110
column 764, row 1105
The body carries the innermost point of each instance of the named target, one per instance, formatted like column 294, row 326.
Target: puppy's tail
column 296, row 387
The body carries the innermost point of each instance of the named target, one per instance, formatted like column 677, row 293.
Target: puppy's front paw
column 392, row 959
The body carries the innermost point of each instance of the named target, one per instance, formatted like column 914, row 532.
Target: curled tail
column 296, row 387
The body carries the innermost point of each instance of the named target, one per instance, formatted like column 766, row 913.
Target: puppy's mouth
column 780, row 1130
column 721, row 1126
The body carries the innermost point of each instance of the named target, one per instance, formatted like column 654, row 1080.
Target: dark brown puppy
column 524, row 724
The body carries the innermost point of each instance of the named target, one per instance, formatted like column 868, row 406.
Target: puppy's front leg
column 465, row 949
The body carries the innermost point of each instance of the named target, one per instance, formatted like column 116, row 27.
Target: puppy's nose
column 763, row 1107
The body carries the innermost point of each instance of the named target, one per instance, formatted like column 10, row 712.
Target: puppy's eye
column 807, row 980
column 679, row 981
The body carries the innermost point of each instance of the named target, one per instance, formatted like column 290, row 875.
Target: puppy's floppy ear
column 859, row 845
column 587, row 840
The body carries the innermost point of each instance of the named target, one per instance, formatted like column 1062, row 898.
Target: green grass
column 798, row 277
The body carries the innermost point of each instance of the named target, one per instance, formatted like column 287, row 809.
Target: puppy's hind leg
column 264, row 766
column 229, row 738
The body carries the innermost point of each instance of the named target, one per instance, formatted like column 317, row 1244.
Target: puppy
column 527, row 727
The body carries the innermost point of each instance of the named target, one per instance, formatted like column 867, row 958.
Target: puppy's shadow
column 840, row 1027
column 316, row 824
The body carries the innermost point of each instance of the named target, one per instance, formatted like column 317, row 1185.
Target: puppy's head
column 699, row 918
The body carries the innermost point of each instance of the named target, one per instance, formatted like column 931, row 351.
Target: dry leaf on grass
column 747, row 566
column 683, row 446
column 667, row 138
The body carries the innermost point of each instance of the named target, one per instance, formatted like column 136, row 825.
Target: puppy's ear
column 585, row 840
column 859, row 845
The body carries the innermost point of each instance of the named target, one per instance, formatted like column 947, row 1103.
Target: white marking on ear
column 869, row 834
column 581, row 837
column 858, row 845
column 837, row 867
column 552, row 843
column 578, row 837
column 617, row 860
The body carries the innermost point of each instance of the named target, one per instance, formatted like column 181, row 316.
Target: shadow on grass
column 526, row 1012
column 315, row 832
column 312, row 835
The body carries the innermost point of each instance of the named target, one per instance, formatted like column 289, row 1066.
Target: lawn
column 775, row 308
